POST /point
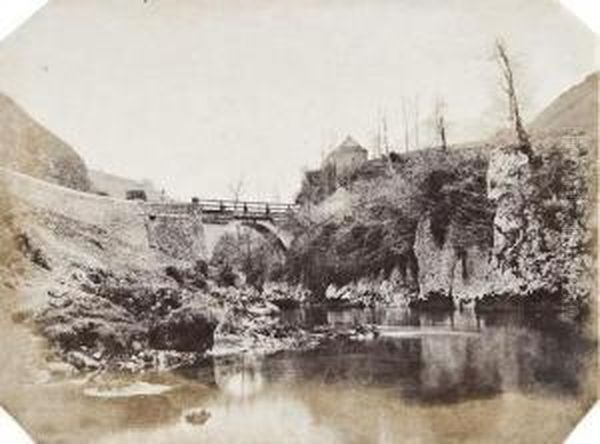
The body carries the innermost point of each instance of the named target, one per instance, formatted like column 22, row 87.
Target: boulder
column 82, row 362
column 189, row 328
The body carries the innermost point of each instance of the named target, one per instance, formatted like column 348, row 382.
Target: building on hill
column 346, row 158
column 336, row 170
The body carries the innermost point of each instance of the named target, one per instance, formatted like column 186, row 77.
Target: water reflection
column 239, row 376
column 496, row 373
column 436, row 356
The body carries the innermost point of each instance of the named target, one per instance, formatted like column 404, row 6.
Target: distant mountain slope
column 576, row 108
column 117, row 186
column 29, row 148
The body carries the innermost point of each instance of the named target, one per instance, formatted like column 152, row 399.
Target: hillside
column 65, row 230
column 116, row 186
column 29, row 148
column 576, row 108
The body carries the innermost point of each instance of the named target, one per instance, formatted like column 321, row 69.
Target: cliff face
column 543, row 224
column 541, row 252
column 27, row 147
column 451, row 270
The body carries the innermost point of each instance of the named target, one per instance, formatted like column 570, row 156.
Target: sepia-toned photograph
column 300, row 221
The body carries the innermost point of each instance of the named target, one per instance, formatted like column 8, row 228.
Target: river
column 427, row 378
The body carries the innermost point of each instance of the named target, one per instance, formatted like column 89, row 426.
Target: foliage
column 377, row 232
column 250, row 253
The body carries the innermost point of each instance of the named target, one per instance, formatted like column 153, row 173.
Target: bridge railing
column 245, row 208
column 236, row 209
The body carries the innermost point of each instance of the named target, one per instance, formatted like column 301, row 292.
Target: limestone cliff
column 454, row 269
column 543, row 224
column 541, row 250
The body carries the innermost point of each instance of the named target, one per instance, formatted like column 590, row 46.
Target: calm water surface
column 428, row 378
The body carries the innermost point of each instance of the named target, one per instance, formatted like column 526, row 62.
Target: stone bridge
column 192, row 230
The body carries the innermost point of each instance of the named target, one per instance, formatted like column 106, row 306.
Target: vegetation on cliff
column 373, row 230
column 482, row 222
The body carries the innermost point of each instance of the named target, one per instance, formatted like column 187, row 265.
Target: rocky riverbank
column 138, row 323
column 83, row 276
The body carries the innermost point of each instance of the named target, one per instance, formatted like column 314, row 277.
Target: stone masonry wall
column 176, row 232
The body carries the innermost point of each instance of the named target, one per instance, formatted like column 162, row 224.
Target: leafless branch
column 508, row 85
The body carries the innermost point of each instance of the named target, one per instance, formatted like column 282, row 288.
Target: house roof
column 349, row 144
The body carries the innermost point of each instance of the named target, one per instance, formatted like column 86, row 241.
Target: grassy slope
column 576, row 108
column 28, row 147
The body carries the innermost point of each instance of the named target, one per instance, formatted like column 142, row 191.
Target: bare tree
column 406, row 126
column 416, row 112
column 386, row 144
column 236, row 189
column 440, row 123
column 508, row 86
column 384, row 135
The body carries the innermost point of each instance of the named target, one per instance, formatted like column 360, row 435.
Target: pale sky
column 194, row 94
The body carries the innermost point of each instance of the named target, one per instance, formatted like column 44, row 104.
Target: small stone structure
column 347, row 157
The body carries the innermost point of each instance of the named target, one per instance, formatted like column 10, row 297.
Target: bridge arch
column 187, row 230
column 214, row 232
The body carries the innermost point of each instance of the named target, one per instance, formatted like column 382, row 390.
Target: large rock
column 27, row 147
column 75, row 320
column 189, row 328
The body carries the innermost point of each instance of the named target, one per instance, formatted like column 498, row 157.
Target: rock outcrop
column 540, row 254
column 543, row 231
column 456, row 270
column 189, row 328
